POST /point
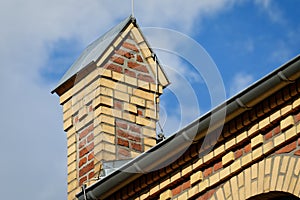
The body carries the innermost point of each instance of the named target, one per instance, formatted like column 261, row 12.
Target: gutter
column 169, row 148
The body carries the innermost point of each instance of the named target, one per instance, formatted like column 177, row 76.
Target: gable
column 131, row 52
column 127, row 58
column 125, row 35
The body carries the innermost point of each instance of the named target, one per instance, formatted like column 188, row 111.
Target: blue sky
column 40, row 39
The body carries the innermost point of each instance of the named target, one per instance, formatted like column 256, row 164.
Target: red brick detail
column 90, row 138
column 130, row 46
column 86, row 150
column 124, row 53
column 82, row 162
column 247, row 148
column 122, row 133
column 276, row 130
column 134, row 137
column 288, row 148
column 137, row 147
column 124, row 152
column 140, row 112
column 176, row 190
column 297, row 153
column 238, row 153
column 218, row 166
column 130, row 73
column 91, row 156
column 91, row 109
column 121, row 124
column 117, row 60
column 76, row 119
column 86, row 169
column 114, row 67
column 86, row 131
column 83, row 152
column 146, row 78
column 269, row 135
column 123, row 142
column 135, row 128
column 299, row 141
column 90, row 147
column 91, row 175
column 186, row 185
column 207, row 195
column 82, row 144
column 137, row 66
column 297, row 117
column 139, row 58
column 82, row 180
column 207, row 172
column 118, row 105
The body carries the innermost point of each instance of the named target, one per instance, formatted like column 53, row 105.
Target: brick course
column 254, row 151
column 258, row 151
column 108, row 107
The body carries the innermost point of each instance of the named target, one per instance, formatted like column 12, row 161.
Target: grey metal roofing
column 94, row 51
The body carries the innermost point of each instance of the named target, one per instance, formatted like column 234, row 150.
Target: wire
column 84, row 186
column 84, row 194
column 156, row 92
column 156, row 86
column 99, row 173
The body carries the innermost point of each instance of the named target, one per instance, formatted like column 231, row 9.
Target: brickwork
column 109, row 114
column 79, row 125
column 109, row 111
column 277, row 173
column 127, row 105
column 245, row 158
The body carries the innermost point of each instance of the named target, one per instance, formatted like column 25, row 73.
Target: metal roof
column 94, row 51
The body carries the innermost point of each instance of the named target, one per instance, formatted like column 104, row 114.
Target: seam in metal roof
column 94, row 51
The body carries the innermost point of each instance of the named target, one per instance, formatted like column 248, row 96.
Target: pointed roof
column 97, row 49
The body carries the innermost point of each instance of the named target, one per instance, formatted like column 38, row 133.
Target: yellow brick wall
column 262, row 157
column 109, row 114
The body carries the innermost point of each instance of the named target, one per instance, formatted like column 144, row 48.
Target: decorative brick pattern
column 85, row 148
column 129, row 138
column 253, row 150
column 258, row 151
column 281, row 178
column 109, row 111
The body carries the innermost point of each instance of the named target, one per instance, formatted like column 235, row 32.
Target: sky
column 241, row 40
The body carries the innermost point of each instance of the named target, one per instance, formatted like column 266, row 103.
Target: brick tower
column 110, row 101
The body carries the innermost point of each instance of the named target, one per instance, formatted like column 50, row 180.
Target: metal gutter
column 168, row 149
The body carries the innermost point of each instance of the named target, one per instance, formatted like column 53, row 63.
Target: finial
column 132, row 8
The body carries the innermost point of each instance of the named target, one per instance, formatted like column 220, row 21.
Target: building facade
column 110, row 97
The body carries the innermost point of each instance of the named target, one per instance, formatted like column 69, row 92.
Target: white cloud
column 177, row 13
column 33, row 145
column 187, row 81
column 263, row 3
column 271, row 9
column 239, row 82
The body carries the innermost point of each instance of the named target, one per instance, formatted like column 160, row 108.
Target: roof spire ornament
column 132, row 8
